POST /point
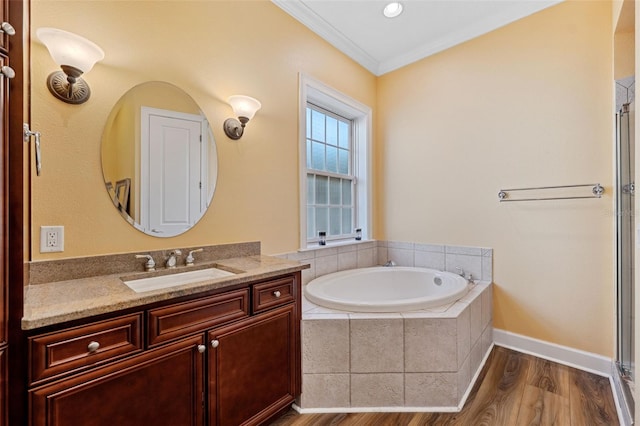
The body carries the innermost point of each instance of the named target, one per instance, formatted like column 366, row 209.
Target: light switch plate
column 51, row 239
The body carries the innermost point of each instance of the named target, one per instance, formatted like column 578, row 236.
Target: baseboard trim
column 587, row 361
column 576, row 358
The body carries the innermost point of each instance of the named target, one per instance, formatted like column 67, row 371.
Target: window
column 334, row 163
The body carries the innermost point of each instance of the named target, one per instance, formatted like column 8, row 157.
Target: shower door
column 625, row 239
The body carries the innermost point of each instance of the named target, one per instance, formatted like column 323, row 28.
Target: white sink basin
column 165, row 281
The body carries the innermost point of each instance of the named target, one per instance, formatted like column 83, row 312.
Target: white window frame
column 320, row 94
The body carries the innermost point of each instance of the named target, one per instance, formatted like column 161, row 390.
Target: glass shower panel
column 625, row 239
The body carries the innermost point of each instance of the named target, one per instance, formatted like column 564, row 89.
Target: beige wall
column 212, row 50
column 527, row 105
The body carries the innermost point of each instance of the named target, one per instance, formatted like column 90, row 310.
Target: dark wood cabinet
column 252, row 368
column 226, row 359
column 161, row 387
column 13, row 105
column 80, row 348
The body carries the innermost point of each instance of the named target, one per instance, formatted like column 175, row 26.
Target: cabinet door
column 162, row 387
column 251, row 368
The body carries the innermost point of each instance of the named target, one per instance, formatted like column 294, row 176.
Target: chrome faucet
column 390, row 263
column 464, row 275
column 190, row 259
column 150, row 265
column 171, row 261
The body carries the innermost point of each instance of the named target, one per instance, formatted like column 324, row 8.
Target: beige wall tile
column 325, row 346
column 430, row 345
column 347, row 260
column 431, row 389
column 487, row 339
column 377, row 345
column 463, row 335
column 325, row 391
column 377, row 390
column 475, row 310
column 487, row 306
column 464, row 378
column 475, row 357
column 366, row 258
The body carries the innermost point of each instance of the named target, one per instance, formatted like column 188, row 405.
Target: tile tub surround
column 422, row 360
column 324, row 260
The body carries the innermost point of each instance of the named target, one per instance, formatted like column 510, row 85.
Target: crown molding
column 324, row 29
column 329, row 33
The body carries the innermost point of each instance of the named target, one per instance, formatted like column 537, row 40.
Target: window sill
column 333, row 244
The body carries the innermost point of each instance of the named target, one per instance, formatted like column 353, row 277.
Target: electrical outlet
column 51, row 239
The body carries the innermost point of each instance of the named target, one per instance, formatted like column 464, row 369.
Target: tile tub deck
column 422, row 360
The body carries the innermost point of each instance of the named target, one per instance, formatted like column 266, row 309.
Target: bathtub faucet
column 464, row 275
column 390, row 263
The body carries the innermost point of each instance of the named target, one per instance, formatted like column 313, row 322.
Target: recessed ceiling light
column 392, row 10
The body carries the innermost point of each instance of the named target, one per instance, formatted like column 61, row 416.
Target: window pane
column 347, row 227
column 317, row 156
column 322, row 190
column 346, row 192
column 317, row 125
column 310, row 189
column 332, row 158
column 311, row 222
column 330, row 199
column 343, row 161
column 332, row 131
column 343, row 135
column 322, row 220
column 334, row 221
column 334, row 191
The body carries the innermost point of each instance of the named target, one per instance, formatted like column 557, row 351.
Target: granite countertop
column 57, row 302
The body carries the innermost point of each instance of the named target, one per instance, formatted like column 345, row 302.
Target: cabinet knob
column 7, row 28
column 7, row 71
column 215, row 343
column 202, row 348
column 93, row 346
column 276, row 293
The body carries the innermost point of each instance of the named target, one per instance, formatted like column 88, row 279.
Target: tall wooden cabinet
column 13, row 53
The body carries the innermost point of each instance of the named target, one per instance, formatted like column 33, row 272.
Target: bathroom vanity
column 219, row 352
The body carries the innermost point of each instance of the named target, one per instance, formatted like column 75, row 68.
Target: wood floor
column 513, row 389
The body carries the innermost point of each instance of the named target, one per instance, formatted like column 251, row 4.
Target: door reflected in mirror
column 159, row 159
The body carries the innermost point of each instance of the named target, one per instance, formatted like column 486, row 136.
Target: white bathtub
column 386, row 289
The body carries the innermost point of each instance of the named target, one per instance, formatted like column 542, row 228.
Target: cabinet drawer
column 178, row 320
column 273, row 293
column 81, row 347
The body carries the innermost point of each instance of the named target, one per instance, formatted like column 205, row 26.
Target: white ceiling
column 359, row 29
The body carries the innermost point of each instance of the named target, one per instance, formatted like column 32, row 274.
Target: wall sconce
column 75, row 55
column 244, row 107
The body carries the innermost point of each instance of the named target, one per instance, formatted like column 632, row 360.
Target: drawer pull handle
column 93, row 346
column 215, row 343
column 202, row 348
column 276, row 293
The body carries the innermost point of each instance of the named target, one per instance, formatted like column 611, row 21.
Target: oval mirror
column 159, row 159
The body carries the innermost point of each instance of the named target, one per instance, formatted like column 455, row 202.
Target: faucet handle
column 150, row 266
column 190, row 259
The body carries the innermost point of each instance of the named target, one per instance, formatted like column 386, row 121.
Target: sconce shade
column 244, row 106
column 70, row 49
column 75, row 55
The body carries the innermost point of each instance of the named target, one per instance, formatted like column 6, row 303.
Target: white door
column 170, row 180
